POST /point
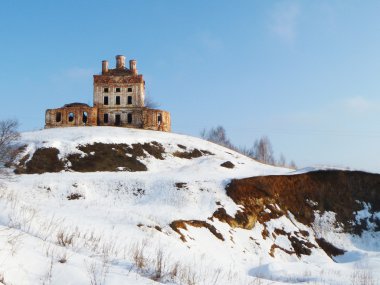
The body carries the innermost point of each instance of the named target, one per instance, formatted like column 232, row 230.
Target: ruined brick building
column 118, row 101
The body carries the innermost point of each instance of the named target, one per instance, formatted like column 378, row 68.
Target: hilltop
column 104, row 205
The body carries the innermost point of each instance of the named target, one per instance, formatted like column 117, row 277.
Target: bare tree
column 217, row 135
column 293, row 165
column 150, row 103
column 8, row 135
column 246, row 151
column 281, row 161
column 263, row 151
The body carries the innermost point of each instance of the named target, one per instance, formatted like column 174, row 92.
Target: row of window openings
column 117, row 89
column 71, row 116
column 129, row 100
column 117, row 119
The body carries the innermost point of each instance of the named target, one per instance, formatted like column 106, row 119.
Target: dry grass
column 362, row 277
column 65, row 238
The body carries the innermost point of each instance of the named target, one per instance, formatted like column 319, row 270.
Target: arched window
column 58, row 117
column 71, row 117
column 84, row 117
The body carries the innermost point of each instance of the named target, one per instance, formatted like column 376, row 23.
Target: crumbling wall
column 81, row 116
column 157, row 120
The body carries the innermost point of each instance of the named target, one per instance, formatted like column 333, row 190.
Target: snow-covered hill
column 107, row 205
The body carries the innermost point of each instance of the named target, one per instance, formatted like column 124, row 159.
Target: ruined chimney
column 104, row 66
column 120, row 61
column 132, row 66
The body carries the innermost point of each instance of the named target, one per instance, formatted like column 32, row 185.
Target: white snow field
column 114, row 227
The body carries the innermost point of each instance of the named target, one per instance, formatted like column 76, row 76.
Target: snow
column 47, row 239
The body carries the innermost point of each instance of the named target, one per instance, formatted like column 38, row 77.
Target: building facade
column 119, row 100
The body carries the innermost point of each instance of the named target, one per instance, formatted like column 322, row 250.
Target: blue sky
column 305, row 73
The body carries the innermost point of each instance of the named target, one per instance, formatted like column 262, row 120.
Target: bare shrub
column 8, row 135
column 362, row 277
column 64, row 238
column 188, row 276
column 97, row 273
column 160, row 264
column 138, row 255
column 47, row 228
column 256, row 281
column 22, row 217
column 174, row 270
column 108, row 249
column 215, row 276
column 62, row 256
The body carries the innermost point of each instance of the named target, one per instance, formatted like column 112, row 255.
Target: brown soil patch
column 195, row 153
column 98, row 157
column 181, row 224
column 330, row 249
column 43, row 160
column 155, row 149
column 181, row 146
column 107, row 157
column 300, row 246
column 74, row 196
column 181, row 185
column 228, row 164
column 241, row 220
column 274, row 246
column 302, row 195
column 332, row 190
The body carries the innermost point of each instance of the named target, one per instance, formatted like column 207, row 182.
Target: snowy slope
column 114, row 227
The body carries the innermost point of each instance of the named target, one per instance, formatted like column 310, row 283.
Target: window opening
column 117, row 100
column 118, row 89
column 159, row 119
column 71, row 117
column 105, row 100
column 105, row 90
column 84, row 117
column 129, row 118
column 129, row 89
column 117, row 120
column 129, row 100
column 58, row 117
column 105, row 118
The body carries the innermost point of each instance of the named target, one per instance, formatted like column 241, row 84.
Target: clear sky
column 304, row 73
